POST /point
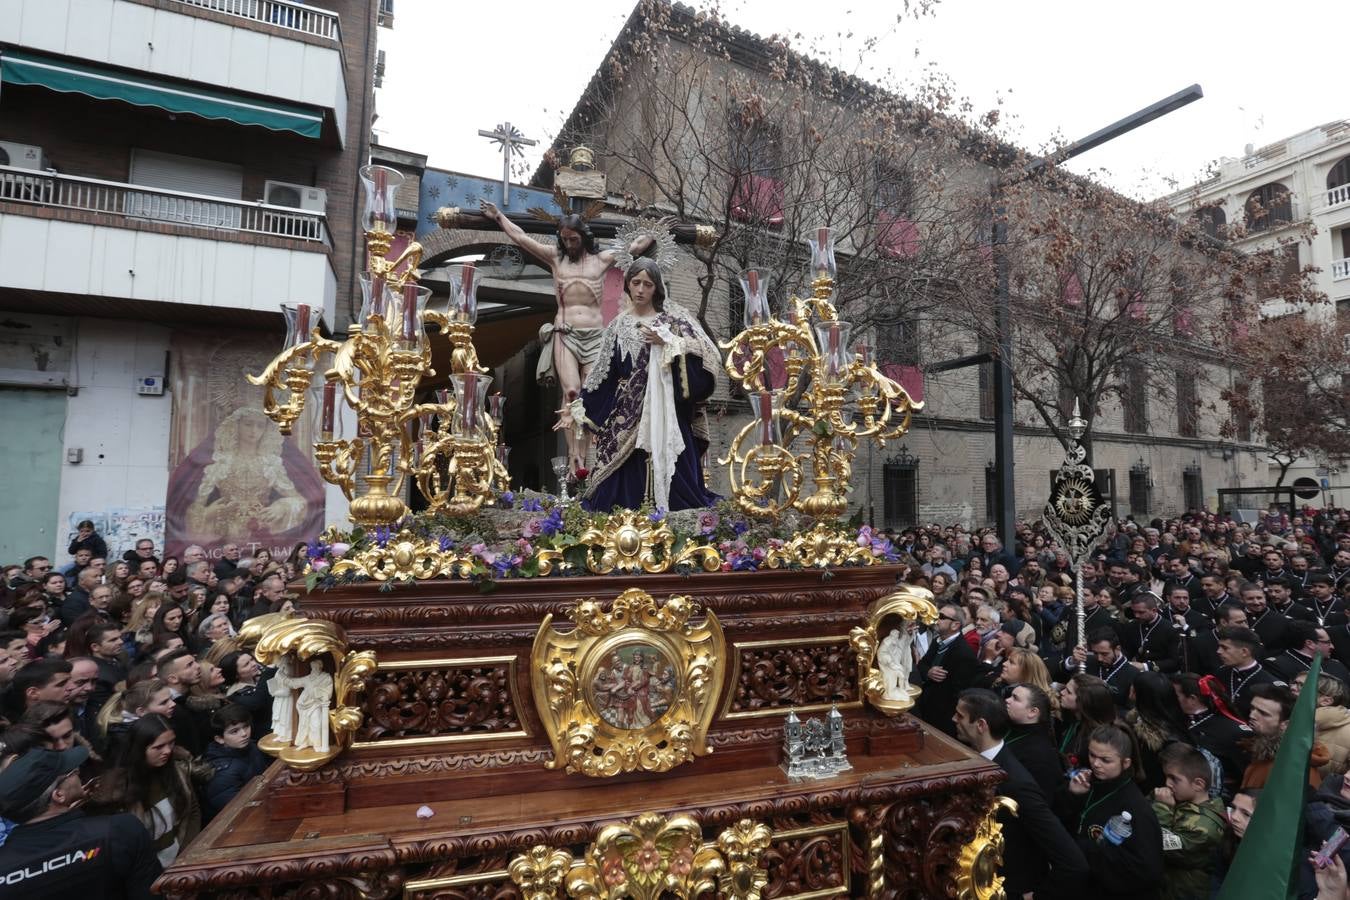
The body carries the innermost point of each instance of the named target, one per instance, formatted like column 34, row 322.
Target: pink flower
column 682, row 862
column 531, row 529
column 319, row 565
column 611, row 870
column 758, row 553
column 648, row 858
column 708, row 521
column 339, row 548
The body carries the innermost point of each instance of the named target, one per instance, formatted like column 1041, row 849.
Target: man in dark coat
column 946, row 669
column 1239, row 650
column 1039, row 855
column 1150, row 637
column 1104, row 660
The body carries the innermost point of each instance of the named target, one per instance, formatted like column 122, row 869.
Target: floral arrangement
column 507, row 540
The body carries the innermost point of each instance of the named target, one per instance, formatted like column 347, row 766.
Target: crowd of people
column 1138, row 754
column 129, row 714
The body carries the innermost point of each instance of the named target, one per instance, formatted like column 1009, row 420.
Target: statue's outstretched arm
column 539, row 250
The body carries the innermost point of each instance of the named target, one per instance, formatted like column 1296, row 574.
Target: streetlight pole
column 1000, row 357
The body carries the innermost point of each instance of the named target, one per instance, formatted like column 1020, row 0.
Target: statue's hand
column 665, row 223
column 489, row 209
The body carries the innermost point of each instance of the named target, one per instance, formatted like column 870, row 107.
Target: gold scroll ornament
column 631, row 687
column 647, row 858
column 304, row 640
column 977, row 868
column 902, row 609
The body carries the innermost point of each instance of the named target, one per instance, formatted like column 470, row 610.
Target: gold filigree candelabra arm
column 766, row 478
column 292, row 370
column 338, row 462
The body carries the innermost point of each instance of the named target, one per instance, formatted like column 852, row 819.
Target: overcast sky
column 1063, row 69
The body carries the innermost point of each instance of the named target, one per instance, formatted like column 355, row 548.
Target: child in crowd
column 1192, row 823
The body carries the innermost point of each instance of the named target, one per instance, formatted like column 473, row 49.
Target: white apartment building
column 171, row 172
column 1270, row 191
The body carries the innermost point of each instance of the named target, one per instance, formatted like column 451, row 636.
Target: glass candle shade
column 374, row 298
column 866, row 353
column 470, row 391
column 756, row 289
column 765, row 406
column 832, row 339
column 378, row 185
column 822, row 253
column 329, row 413
column 463, row 294
column 405, row 320
column 504, row 456
column 497, row 407
column 297, row 323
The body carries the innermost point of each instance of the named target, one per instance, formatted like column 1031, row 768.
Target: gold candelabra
column 844, row 398
column 449, row 447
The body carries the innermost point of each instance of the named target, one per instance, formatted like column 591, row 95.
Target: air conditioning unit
column 379, row 69
column 22, row 156
column 295, row 196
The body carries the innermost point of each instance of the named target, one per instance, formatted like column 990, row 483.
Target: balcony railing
column 137, row 202
column 282, row 13
column 1338, row 195
column 1340, row 269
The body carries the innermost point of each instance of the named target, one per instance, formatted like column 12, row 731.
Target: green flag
column 1266, row 865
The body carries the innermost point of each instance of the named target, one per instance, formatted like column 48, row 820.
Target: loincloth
column 584, row 344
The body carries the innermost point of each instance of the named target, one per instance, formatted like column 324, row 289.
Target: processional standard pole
column 1076, row 515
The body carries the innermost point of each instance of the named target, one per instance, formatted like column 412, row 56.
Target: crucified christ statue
column 572, row 340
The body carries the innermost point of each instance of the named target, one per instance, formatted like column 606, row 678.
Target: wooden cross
column 510, row 139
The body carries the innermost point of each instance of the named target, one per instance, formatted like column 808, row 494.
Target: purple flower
column 739, row 527
column 506, row 500
column 657, row 514
column 707, row 522
column 382, row 536
column 446, row 543
column 553, row 524
column 531, row 504
column 501, row 566
column 865, row 536
column 531, row 529
column 745, row 563
column 316, row 550
column 339, row 548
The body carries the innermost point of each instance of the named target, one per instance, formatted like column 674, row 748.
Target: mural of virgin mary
column 244, row 482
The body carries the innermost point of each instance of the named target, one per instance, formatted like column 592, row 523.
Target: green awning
column 108, row 84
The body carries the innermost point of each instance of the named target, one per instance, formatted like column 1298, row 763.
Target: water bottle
column 1118, row 828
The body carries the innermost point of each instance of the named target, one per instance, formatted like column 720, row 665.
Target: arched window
column 1269, row 206
column 1212, row 220
column 1339, row 174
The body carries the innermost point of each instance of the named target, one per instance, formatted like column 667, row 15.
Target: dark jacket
column 95, row 544
column 95, row 857
column 1288, row 665
column 937, row 704
column 1039, row 854
column 1224, row 738
column 233, row 770
column 1119, row 676
column 1158, row 645
column 257, row 699
column 1134, row 869
column 1034, row 749
column 1239, row 686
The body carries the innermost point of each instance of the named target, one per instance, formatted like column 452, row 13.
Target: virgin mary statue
column 644, row 400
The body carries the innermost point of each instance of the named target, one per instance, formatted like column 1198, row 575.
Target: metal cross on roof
column 510, row 139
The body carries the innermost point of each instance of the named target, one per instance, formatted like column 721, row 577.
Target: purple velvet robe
column 616, row 407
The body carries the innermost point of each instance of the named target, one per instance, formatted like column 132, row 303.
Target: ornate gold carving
column 766, row 476
column 977, row 874
column 628, row 688
column 304, row 640
column 629, row 542
column 821, row 547
column 705, row 236
column 650, row 857
column 540, row 872
column 909, row 605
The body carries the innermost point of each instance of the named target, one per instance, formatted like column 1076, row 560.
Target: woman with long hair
column 1103, row 788
column 1085, row 703
column 168, row 623
column 128, row 705
column 1157, row 721
column 140, row 624
column 1024, row 666
column 119, row 573
column 152, row 780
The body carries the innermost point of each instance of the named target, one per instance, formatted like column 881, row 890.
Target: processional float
column 587, row 736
